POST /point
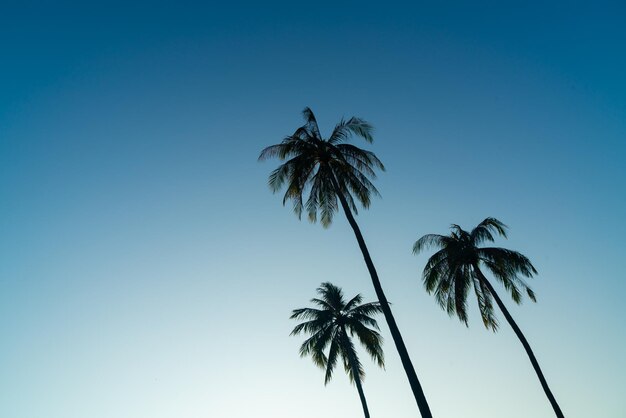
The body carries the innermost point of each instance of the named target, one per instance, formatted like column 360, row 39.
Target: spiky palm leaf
column 313, row 163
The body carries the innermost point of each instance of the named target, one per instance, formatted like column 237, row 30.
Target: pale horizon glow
column 148, row 271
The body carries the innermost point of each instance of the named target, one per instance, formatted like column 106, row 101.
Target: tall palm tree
column 452, row 270
column 330, row 170
column 332, row 325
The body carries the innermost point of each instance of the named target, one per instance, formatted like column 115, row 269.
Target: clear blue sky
column 147, row 271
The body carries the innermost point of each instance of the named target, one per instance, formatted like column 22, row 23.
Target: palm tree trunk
column 529, row 351
column 357, row 378
column 359, row 388
column 418, row 392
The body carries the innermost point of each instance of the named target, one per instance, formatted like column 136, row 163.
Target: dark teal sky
column 147, row 271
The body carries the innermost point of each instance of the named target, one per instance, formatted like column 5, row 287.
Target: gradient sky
column 148, row 271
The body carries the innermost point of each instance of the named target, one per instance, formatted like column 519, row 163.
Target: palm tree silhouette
column 332, row 326
column 452, row 270
column 330, row 170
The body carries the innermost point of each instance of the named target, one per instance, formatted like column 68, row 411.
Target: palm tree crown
column 320, row 166
column 331, row 326
column 452, row 270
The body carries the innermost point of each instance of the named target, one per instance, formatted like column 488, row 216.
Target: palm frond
column 331, row 362
column 436, row 267
column 307, row 313
column 364, row 319
column 461, row 285
column 272, row 151
column 315, row 344
column 485, row 304
column 509, row 262
column 353, row 126
column 352, row 303
column 511, row 281
column 365, row 309
column 430, row 240
column 311, row 122
column 371, row 340
column 328, row 198
column 483, row 232
column 459, row 233
column 332, row 295
column 323, row 304
column 359, row 185
column 310, row 327
column 351, row 360
column 361, row 158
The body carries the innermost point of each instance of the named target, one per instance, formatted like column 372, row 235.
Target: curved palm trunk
column 529, row 351
column 357, row 380
column 359, row 388
column 418, row 392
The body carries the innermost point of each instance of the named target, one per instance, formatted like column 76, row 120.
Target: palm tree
column 452, row 270
column 330, row 170
column 332, row 326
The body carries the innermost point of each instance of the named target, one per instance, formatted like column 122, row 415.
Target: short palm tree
column 456, row 267
column 329, row 170
column 332, row 325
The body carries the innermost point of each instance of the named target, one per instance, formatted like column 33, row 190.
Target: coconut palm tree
column 329, row 170
column 332, row 325
column 456, row 267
